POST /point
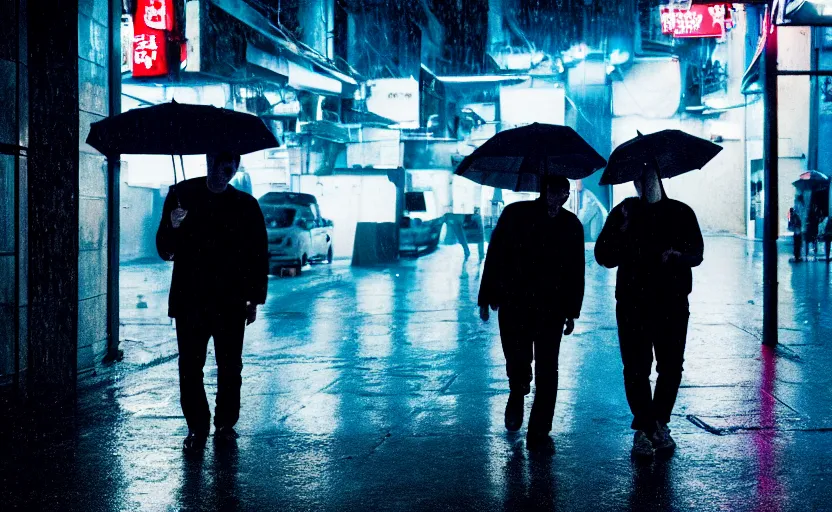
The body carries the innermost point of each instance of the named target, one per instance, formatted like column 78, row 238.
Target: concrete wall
column 348, row 199
column 92, row 260
column 793, row 123
column 648, row 100
column 437, row 188
column 716, row 193
column 141, row 210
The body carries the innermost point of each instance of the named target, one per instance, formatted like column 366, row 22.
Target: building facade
column 57, row 313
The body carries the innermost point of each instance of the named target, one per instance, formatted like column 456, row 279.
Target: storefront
column 229, row 57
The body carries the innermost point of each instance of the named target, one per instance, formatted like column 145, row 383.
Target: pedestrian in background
column 825, row 234
column 654, row 241
column 242, row 181
column 216, row 237
column 796, row 227
column 810, row 231
column 534, row 277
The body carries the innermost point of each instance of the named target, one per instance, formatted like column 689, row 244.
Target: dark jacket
column 219, row 252
column 535, row 261
column 637, row 252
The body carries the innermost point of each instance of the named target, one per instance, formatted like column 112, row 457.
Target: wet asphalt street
column 380, row 389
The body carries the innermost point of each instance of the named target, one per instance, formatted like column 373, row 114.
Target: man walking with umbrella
column 216, row 237
column 654, row 241
column 534, row 277
column 534, row 268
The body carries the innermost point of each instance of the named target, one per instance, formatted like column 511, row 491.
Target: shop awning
column 312, row 71
column 297, row 77
column 752, row 80
column 352, row 116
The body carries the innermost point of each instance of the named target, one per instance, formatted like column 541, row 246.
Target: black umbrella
column 812, row 180
column 516, row 159
column 673, row 151
column 180, row 129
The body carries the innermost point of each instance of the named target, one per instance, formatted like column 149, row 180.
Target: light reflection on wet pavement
column 379, row 389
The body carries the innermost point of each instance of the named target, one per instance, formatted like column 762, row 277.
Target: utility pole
column 771, row 218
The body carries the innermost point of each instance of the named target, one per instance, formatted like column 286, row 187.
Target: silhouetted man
column 216, row 237
column 654, row 241
column 534, row 276
column 796, row 227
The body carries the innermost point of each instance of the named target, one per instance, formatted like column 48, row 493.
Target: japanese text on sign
column 145, row 50
column 151, row 23
column 698, row 21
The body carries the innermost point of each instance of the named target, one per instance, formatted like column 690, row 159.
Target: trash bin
column 375, row 243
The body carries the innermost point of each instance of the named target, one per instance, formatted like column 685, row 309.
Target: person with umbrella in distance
column 796, row 227
column 534, row 268
column 825, row 234
column 216, row 237
column 806, row 185
column 654, row 241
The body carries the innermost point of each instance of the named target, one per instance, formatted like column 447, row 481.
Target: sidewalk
column 380, row 389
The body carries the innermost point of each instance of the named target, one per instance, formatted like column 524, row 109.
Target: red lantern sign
column 699, row 21
column 153, row 19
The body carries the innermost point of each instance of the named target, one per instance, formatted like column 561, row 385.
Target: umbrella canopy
column 812, row 180
column 673, row 151
column 180, row 129
column 516, row 159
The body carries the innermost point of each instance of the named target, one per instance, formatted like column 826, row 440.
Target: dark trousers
column 798, row 246
column 811, row 241
column 645, row 327
column 533, row 335
column 193, row 330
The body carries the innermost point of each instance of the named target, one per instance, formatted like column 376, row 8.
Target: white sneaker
column 642, row 446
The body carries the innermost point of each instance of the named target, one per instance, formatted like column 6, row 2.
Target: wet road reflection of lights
column 367, row 390
column 765, row 439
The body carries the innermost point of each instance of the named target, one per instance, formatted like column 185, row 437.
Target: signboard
column 396, row 99
column 150, row 23
column 700, row 20
column 521, row 105
column 805, row 12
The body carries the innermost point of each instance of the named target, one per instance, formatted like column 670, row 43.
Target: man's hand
column 670, row 255
column 177, row 216
column 251, row 313
column 570, row 326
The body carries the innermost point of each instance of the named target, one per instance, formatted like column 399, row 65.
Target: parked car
column 297, row 233
column 417, row 236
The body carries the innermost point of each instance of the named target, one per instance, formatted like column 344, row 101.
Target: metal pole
column 770, row 161
column 114, row 353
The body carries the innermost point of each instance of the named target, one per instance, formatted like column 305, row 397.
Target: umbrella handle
column 182, row 166
column 175, row 182
column 173, row 163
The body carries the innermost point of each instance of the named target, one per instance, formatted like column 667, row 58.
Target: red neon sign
column 152, row 21
column 698, row 21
